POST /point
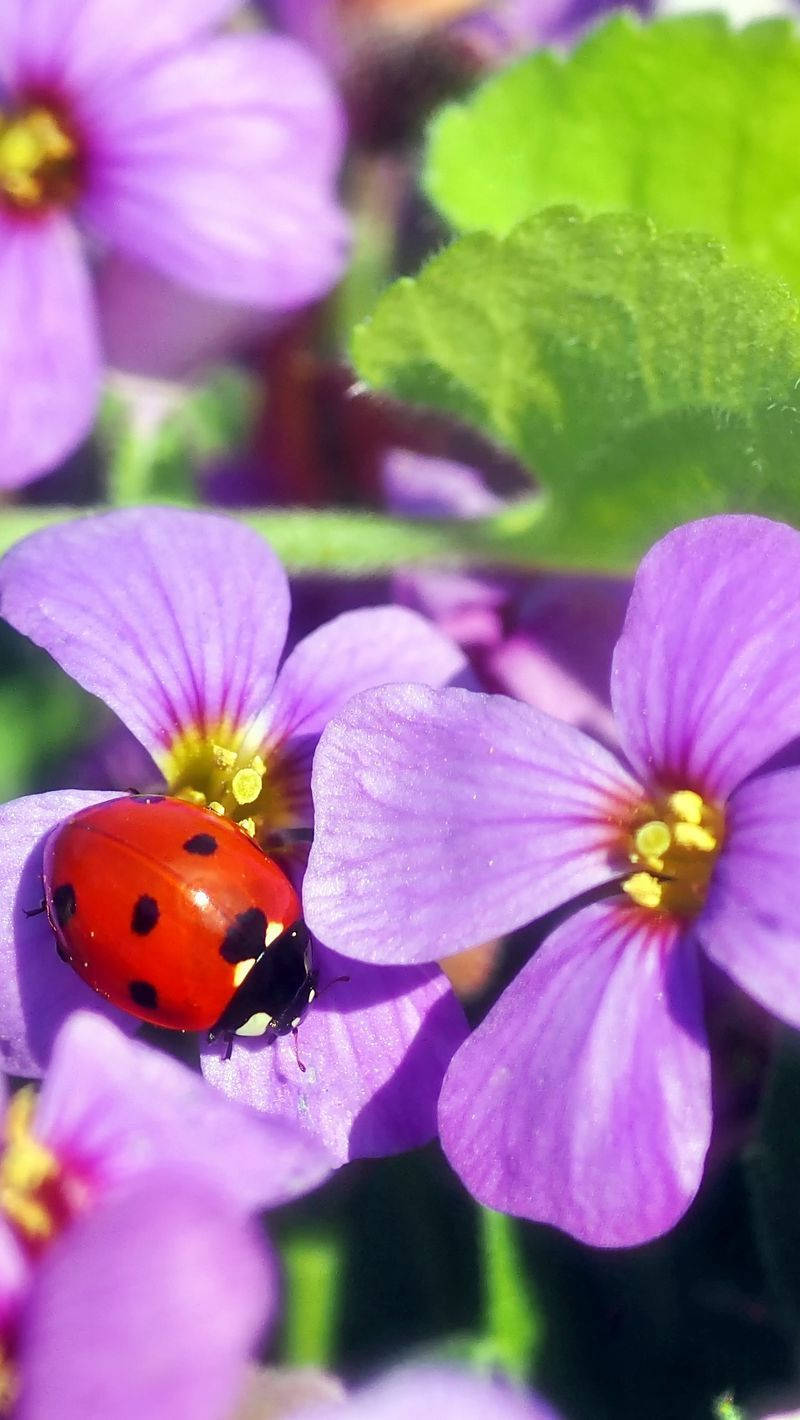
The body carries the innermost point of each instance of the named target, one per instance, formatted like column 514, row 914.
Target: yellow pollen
column 225, row 758
column 38, row 160
column 219, row 769
column 246, row 785
column 686, row 805
column 672, row 845
column 25, row 1166
column 652, row 839
column 644, row 889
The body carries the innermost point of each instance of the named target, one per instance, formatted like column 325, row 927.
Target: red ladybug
column 174, row 914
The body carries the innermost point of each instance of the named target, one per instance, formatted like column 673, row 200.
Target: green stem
column 313, row 1267
column 512, row 1320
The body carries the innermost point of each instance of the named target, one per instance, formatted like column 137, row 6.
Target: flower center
column 227, row 778
column 673, row 845
column 39, row 160
column 37, row 1195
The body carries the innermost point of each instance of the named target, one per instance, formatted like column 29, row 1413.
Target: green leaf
column 686, row 120
column 642, row 378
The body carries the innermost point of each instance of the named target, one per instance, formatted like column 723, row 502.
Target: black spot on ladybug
column 65, row 903
column 203, row 844
column 143, row 993
column 245, row 937
column 144, row 916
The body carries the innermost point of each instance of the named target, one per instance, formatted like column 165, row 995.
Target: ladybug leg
column 295, row 1032
column 229, row 1047
column 35, row 911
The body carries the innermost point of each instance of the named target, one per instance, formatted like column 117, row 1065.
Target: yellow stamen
column 644, row 889
column 25, row 1166
column 225, row 758
column 38, row 160
column 246, row 785
column 216, row 808
column 248, row 826
column 673, row 844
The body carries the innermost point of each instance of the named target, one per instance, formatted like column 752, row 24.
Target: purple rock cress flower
column 177, row 620
column 443, row 1391
column 444, row 818
column 149, row 1304
column 209, row 157
column 129, row 1278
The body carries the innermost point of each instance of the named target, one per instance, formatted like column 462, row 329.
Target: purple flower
column 177, row 620
column 444, row 818
column 208, row 157
column 149, row 1304
column 442, row 1391
column 124, row 1194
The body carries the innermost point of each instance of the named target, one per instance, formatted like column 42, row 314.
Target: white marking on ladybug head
column 258, row 1024
column 242, row 969
column 311, row 995
column 296, row 1022
column 274, row 930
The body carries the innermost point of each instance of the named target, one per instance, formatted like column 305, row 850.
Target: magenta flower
column 178, row 621
column 124, row 1194
column 122, row 1316
column 441, row 1390
column 210, row 158
column 445, row 818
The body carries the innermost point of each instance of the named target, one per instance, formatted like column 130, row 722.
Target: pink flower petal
column 49, row 355
column 88, row 42
column 443, row 1391
column 444, row 818
column 115, row 1108
column 750, row 925
column 37, row 990
column 375, row 1049
column 706, row 675
column 217, row 167
column 150, row 1305
column 175, row 619
column 584, row 1098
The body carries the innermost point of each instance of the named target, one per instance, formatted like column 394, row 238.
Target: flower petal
column 148, row 1305
column 357, row 651
column 49, row 353
column 115, row 1108
column 442, row 1391
column 706, row 675
column 37, row 990
column 750, row 925
column 80, row 42
column 444, row 818
column 584, row 1098
column 175, row 619
column 375, row 1048
column 183, row 146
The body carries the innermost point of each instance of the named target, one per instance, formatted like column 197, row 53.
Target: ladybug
column 173, row 914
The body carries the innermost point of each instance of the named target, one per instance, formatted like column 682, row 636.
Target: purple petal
column 148, row 1306
column 357, row 651
column 195, row 607
column 114, row 1108
column 418, row 486
column 445, row 818
column 706, row 676
column 584, row 1098
column 49, row 353
column 750, row 925
column 441, row 1391
column 184, row 146
column 375, row 1048
column 87, row 42
column 37, row 990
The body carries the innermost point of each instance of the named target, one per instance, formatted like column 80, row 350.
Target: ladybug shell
column 154, row 901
